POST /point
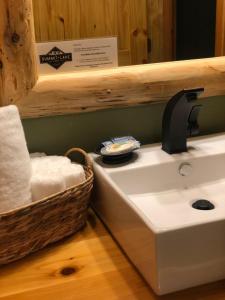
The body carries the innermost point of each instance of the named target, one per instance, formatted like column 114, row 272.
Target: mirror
column 72, row 92
column 148, row 30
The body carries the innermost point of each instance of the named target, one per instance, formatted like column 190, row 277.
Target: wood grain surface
column 86, row 266
column 161, row 30
column 220, row 28
column 122, row 87
column 78, row 19
column 18, row 72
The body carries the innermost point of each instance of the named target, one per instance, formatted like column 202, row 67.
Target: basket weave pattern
column 32, row 227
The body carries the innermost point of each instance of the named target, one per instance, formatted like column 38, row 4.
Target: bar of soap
column 119, row 148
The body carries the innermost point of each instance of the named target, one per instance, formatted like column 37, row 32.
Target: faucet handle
column 193, row 127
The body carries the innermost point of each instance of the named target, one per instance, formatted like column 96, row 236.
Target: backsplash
column 55, row 135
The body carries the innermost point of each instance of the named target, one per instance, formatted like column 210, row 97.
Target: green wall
column 55, row 135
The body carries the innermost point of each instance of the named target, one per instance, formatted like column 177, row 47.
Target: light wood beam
column 122, row 87
column 17, row 56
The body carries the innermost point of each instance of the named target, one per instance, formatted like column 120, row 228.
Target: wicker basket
column 32, row 227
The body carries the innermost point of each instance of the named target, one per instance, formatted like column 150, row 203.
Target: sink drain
column 203, row 205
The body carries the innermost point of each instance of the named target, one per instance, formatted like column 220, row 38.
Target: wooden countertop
column 89, row 265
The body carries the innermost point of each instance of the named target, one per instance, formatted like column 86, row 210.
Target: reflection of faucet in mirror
column 180, row 120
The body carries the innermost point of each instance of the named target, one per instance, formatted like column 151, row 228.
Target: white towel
column 15, row 166
column 48, row 163
column 53, row 174
column 44, row 185
column 73, row 174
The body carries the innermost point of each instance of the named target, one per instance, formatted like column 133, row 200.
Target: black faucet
column 180, row 120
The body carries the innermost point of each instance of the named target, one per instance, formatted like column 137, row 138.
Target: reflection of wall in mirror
column 146, row 29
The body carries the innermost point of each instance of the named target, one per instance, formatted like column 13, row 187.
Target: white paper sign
column 68, row 56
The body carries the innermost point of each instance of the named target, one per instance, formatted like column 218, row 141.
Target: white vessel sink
column 147, row 205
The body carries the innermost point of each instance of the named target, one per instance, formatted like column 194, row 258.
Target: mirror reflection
column 148, row 31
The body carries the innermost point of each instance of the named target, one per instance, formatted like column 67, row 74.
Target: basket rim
column 30, row 205
column 89, row 178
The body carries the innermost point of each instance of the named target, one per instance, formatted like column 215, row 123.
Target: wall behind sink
column 57, row 134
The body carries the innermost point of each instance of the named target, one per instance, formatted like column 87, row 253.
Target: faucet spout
column 180, row 120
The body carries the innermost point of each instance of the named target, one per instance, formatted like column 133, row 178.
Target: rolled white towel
column 44, row 185
column 49, row 162
column 53, row 174
column 15, row 166
column 46, row 180
column 73, row 174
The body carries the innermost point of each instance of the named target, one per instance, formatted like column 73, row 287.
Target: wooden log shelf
column 122, row 87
